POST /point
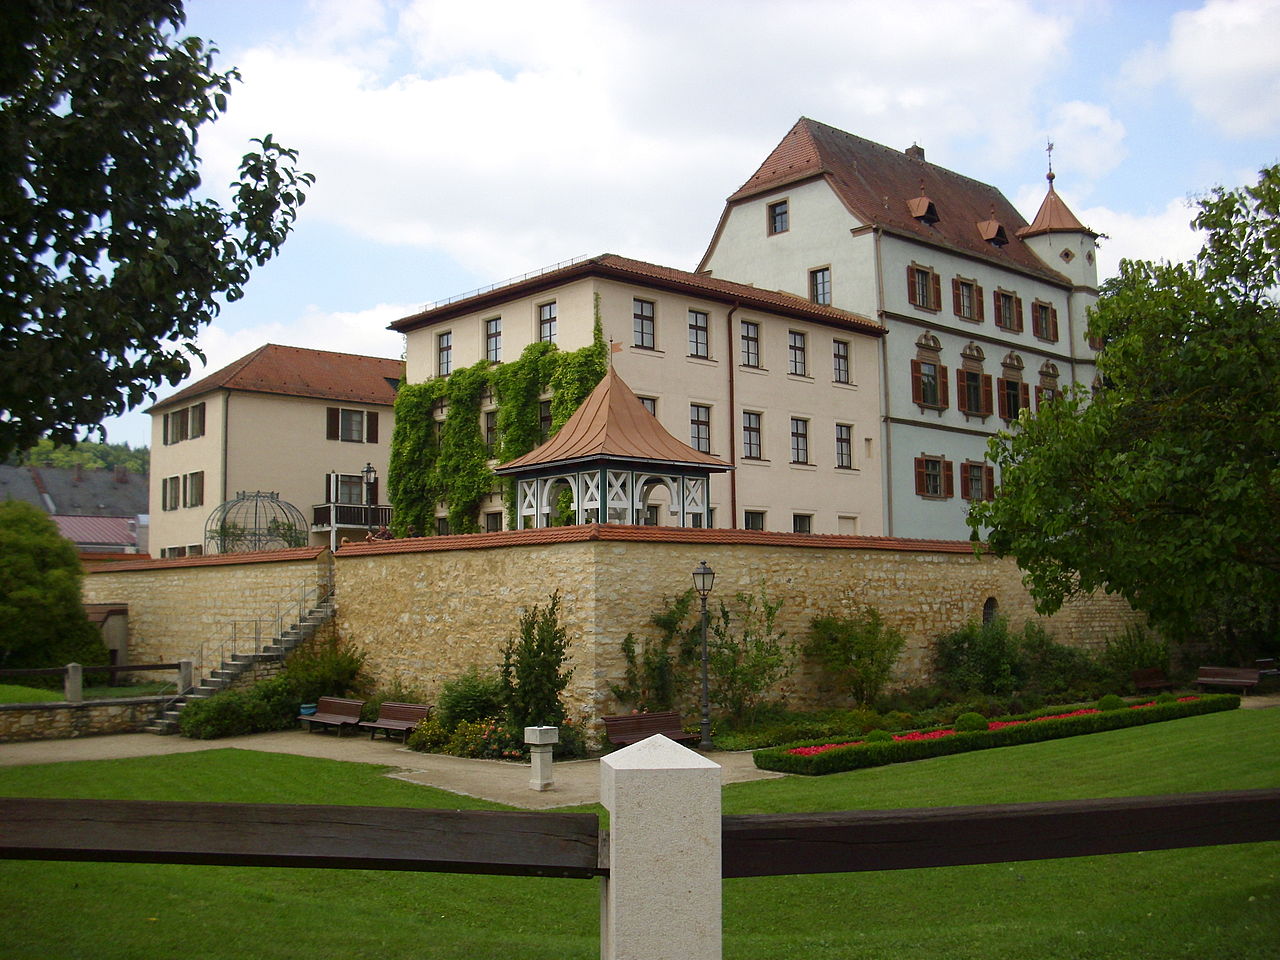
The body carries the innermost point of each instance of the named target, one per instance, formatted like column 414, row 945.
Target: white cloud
column 516, row 134
column 1092, row 137
column 1222, row 59
column 1164, row 234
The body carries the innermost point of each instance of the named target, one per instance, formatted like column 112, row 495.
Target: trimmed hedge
column 876, row 754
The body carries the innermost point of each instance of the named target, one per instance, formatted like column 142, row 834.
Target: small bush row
column 879, row 751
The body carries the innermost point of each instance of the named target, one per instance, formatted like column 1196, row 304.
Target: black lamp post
column 370, row 477
column 704, row 578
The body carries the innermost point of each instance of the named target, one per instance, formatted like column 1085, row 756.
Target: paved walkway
column 575, row 781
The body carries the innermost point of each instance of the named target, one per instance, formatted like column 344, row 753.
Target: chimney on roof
column 915, row 152
column 122, row 473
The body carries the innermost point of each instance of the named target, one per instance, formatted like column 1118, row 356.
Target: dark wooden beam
column 287, row 835
column 773, row 844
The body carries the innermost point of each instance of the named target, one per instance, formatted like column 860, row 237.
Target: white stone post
column 661, row 900
column 186, row 675
column 73, row 683
column 540, row 740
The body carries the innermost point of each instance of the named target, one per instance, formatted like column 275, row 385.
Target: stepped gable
column 301, row 372
column 879, row 184
column 613, row 424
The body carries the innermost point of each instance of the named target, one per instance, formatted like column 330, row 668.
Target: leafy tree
column 746, row 653
column 1165, row 486
column 42, row 621
column 90, row 456
column 857, row 652
column 109, row 261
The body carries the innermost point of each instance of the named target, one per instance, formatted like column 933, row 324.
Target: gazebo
column 619, row 465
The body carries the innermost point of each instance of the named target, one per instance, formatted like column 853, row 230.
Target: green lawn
column 13, row 693
column 1209, row 903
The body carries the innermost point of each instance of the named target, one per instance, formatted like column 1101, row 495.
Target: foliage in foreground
column 1164, row 487
column 857, row 652
column 880, row 751
column 112, row 261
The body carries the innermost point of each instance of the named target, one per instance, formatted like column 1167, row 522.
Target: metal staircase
column 265, row 639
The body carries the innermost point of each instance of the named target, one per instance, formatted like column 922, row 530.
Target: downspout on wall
column 733, row 421
column 886, row 435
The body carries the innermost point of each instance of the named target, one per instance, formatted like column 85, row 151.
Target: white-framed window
column 171, row 493
column 844, row 446
column 350, row 425
column 752, row 445
column 966, row 299
column 547, row 322
column 820, row 285
column 642, row 315
column 699, row 328
column 779, row 217
column 193, row 489
column 750, row 343
column 1044, row 320
column 753, row 520
column 934, row 479
column 840, row 361
column 1008, row 310
column 700, row 427
column 444, row 353
column 802, row 523
column 650, row 404
column 493, row 340
column 799, row 440
column 184, row 424
column 797, row 353
column 924, row 288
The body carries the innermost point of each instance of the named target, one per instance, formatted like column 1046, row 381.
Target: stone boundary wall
column 183, row 609
column 426, row 609
column 60, row 720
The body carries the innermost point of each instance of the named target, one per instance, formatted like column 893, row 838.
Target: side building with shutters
column 313, row 426
column 985, row 313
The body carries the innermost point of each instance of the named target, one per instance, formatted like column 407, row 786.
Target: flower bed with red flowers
column 835, row 756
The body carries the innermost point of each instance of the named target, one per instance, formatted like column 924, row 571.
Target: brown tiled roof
column 210, row 560
column 613, row 424
column 878, row 184
column 300, row 372
column 619, row 533
column 614, row 267
column 99, row 530
column 1054, row 217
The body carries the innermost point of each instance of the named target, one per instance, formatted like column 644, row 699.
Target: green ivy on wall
column 433, row 464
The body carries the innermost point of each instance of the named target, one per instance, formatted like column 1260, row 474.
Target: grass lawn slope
column 1216, row 902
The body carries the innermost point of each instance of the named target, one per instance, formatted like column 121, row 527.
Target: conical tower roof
column 1054, row 217
column 612, row 424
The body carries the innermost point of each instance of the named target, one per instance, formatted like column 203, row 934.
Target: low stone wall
column 183, row 609
column 61, row 721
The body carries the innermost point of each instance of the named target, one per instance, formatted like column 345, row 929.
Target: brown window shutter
column 962, row 392
column 948, row 479
column 1017, row 306
column 977, row 299
column 1053, row 322
column 986, row 394
column 1000, row 397
column 1024, row 394
column 944, row 396
column 371, row 427
column 995, row 309
column 917, row 394
column 936, row 287
column 911, row 287
column 331, row 432
column 989, row 482
column 955, row 295
column 964, row 480
column 165, row 421
column 921, row 486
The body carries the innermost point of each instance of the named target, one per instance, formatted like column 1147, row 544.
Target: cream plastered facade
column 425, row 615
column 869, row 276
column 257, row 441
column 835, row 499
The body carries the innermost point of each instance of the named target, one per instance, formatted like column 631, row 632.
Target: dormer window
column 923, row 209
column 993, row 232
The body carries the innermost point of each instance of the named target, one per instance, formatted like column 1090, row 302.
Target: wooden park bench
column 334, row 712
column 1238, row 678
column 396, row 717
column 633, row 727
column 1268, row 667
column 1150, row 678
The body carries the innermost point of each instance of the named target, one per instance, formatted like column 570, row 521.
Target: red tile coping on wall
column 209, row 560
column 631, row 534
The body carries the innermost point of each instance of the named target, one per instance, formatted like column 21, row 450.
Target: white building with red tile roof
column 302, row 423
column 985, row 313
column 781, row 389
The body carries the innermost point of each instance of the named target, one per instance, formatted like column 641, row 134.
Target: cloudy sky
column 459, row 144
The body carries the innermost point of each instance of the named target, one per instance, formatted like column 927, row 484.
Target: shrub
column 858, row 652
column 471, row 696
column 980, row 657
column 225, row 714
column 533, row 672
column 328, row 667
column 880, row 736
column 746, row 653
column 429, row 736
column 489, row 739
column 970, row 722
column 1049, row 667
column 1111, row 702
column 1166, row 697
column 1135, row 649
